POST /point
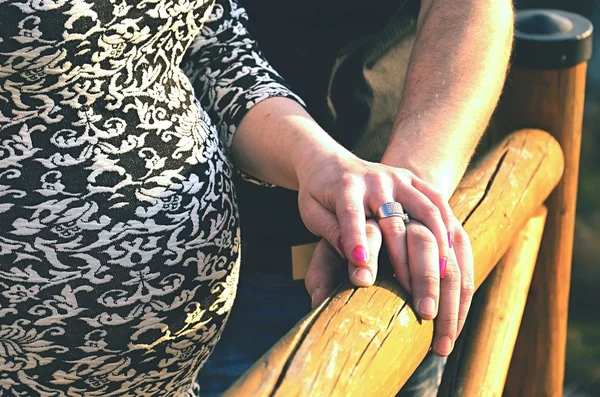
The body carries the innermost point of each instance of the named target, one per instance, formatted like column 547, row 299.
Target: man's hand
column 452, row 293
column 327, row 267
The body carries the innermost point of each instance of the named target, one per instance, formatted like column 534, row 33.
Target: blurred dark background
column 582, row 376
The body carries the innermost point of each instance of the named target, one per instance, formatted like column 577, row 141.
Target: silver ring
column 392, row 208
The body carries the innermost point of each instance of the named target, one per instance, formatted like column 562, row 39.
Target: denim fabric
column 263, row 312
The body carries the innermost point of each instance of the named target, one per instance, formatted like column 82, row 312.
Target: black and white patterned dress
column 119, row 239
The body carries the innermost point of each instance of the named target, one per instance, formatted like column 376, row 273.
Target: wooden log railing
column 367, row 341
column 546, row 89
column 488, row 341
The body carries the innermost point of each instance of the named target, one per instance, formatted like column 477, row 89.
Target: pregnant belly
column 118, row 248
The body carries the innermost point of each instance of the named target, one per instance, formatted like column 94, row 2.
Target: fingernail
column 444, row 346
column 450, row 239
column 363, row 275
column 443, row 262
column 427, row 306
column 341, row 248
column 359, row 254
column 314, row 295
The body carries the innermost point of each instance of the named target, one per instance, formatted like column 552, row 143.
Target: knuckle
column 432, row 211
column 346, row 180
column 435, row 195
column 402, row 178
column 421, row 233
column 375, row 176
column 409, row 175
column 429, row 280
column 403, row 182
column 349, row 210
column 332, row 233
column 452, row 275
column 395, row 228
column 448, row 323
column 461, row 237
column 349, row 184
column 467, row 289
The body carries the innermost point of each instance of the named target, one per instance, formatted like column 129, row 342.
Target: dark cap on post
column 551, row 39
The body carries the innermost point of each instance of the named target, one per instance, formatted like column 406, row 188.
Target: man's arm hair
column 455, row 76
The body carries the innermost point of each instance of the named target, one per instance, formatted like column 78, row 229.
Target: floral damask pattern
column 119, row 238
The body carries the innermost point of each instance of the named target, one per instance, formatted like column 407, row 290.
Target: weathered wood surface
column 367, row 341
column 490, row 336
column 552, row 100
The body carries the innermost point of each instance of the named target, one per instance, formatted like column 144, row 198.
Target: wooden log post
column 368, row 341
column 490, row 336
column 546, row 89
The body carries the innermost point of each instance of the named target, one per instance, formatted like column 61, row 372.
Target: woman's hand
column 337, row 193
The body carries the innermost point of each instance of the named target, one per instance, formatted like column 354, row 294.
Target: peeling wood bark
column 368, row 341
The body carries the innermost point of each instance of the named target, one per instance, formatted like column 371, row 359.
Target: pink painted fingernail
column 443, row 262
column 341, row 248
column 359, row 254
column 450, row 238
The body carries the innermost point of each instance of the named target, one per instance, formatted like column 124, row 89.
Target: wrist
column 441, row 175
column 435, row 151
column 315, row 154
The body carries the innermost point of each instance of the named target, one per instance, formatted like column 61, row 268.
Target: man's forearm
column 455, row 76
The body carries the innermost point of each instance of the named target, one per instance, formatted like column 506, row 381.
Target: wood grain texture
column 368, row 341
column 552, row 100
column 490, row 336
